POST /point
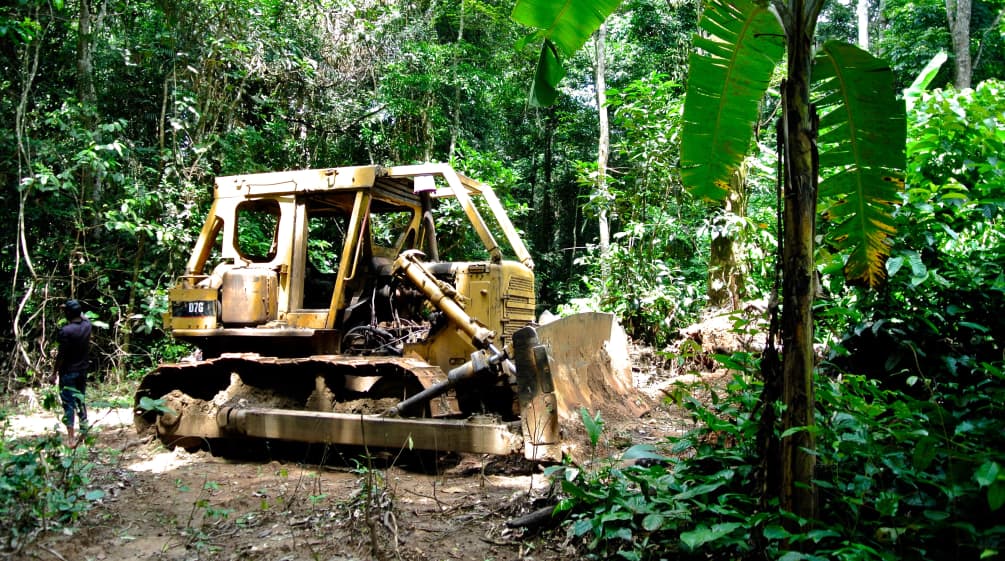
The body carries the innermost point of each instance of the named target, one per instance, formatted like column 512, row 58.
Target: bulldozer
column 375, row 307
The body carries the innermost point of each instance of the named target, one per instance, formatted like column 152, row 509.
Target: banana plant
column 861, row 134
column 857, row 145
column 855, row 142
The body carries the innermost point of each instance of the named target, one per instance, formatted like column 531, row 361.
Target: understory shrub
column 43, row 485
column 898, row 478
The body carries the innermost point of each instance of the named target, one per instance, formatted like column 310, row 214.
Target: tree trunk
column 90, row 182
column 796, row 462
column 863, row 24
column 958, row 12
column 546, row 220
column 29, row 60
column 603, row 151
column 725, row 276
column 455, row 130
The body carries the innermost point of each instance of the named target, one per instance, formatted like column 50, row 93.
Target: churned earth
column 288, row 505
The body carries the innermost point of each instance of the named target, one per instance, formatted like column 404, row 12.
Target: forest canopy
column 120, row 114
column 123, row 112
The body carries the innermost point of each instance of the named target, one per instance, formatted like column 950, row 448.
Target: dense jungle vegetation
column 117, row 115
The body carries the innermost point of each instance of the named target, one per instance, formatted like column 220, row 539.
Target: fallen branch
column 542, row 518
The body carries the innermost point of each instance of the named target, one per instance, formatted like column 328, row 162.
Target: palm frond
column 729, row 72
column 862, row 135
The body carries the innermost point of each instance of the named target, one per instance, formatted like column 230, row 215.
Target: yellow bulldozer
column 324, row 312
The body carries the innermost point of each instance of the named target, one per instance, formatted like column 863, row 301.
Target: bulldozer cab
column 288, row 263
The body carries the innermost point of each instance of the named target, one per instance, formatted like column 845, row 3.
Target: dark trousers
column 71, row 391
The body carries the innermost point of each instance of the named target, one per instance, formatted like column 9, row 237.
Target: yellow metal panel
column 249, row 296
column 191, row 308
column 315, row 320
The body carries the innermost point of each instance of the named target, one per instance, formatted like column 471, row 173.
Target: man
column 71, row 367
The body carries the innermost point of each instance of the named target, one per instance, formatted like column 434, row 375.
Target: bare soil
column 175, row 505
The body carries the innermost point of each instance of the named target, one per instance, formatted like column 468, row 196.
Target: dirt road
column 175, row 505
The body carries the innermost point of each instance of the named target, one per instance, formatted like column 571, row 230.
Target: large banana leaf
column 741, row 43
column 862, row 134
column 564, row 26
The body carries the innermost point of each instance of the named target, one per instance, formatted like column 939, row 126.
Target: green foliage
column 916, row 30
column 43, row 485
column 155, row 405
column 655, row 258
column 898, row 477
column 937, row 317
column 646, row 505
column 861, row 127
column 729, row 72
column 563, row 27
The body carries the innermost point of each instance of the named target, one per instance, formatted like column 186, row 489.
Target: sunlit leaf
column 566, row 25
column 862, row 137
column 730, row 70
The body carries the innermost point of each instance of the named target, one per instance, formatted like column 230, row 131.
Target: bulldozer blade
column 590, row 366
column 476, row 436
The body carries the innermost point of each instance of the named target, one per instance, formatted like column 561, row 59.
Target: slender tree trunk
column 862, row 11
column 603, row 151
column 797, row 462
column 993, row 27
column 29, row 60
column 90, row 182
column 958, row 12
column 455, row 130
column 547, row 231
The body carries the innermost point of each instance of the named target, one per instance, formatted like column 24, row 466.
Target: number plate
column 194, row 309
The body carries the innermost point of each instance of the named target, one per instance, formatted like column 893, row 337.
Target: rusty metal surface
column 372, row 430
column 590, row 365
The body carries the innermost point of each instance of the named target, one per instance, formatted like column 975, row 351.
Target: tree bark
column 862, row 11
column 797, row 463
column 958, row 12
column 90, row 181
column 725, row 276
column 455, row 130
column 603, row 152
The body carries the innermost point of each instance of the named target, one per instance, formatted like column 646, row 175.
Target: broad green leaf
column 594, row 425
column 643, row 452
column 565, row 25
column 563, row 506
column 819, row 534
column 550, row 72
column 936, row 515
column 987, row 473
column 730, row 69
column 703, row 534
column 568, row 23
column 924, row 453
column 924, row 78
column 775, row 532
column 581, row 527
column 653, row 522
column 862, row 136
column 996, row 494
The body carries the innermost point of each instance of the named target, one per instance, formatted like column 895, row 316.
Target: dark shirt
column 74, row 340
